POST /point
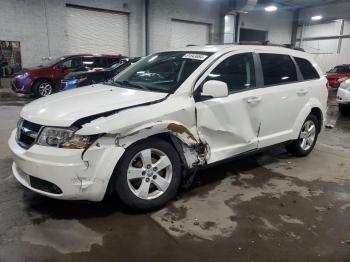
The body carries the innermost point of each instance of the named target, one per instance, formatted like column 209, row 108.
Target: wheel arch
column 46, row 79
column 316, row 111
column 181, row 138
column 312, row 107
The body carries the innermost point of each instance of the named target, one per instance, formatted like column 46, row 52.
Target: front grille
column 44, row 185
column 27, row 133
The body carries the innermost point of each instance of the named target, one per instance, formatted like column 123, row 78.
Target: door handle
column 303, row 92
column 253, row 100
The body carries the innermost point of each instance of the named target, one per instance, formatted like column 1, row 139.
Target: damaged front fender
column 194, row 151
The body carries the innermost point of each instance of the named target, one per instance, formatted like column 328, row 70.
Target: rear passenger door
column 282, row 99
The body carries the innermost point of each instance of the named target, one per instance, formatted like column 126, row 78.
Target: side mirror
column 214, row 89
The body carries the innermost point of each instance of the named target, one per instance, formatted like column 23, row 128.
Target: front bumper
column 68, row 84
column 343, row 96
column 22, row 86
column 78, row 176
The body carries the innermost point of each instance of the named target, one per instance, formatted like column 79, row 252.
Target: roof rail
column 267, row 43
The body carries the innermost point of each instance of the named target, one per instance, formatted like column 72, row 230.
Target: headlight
column 78, row 80
column 63, row 138
column 25, row 75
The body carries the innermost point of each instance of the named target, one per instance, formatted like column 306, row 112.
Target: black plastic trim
column 80, row 122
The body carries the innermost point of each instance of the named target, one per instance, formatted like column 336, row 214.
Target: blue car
column 84, row 78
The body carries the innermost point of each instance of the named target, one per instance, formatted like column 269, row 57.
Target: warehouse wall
column 163, row 11
column 25, row 21
column 40, row 24
column 327, row 52
column 278, row 24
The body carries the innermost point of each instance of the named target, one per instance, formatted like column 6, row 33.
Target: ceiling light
column 271, row 8
column 316, row 17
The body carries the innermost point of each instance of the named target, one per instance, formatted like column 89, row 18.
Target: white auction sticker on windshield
column 195, row 56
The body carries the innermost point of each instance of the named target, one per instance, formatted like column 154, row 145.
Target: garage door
column 186, row 33
column 97, row 31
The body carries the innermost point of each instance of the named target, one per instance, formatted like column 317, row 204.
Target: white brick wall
column 24, row 21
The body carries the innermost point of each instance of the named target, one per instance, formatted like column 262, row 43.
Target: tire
column 306, row 141
column 43, row 88
column 343, row 109
column 138, row 184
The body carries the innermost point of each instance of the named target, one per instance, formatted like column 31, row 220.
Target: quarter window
column 236, row 71
column 307, row 69
column 278, row 69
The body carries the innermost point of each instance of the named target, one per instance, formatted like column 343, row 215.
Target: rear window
column 340, row 70
column 307, row 69
column 278, row 69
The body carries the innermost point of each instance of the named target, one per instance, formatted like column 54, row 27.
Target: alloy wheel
column 45, row 89
column 307, row 135
column 149, row 173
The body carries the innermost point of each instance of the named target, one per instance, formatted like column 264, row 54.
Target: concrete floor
column 269, row 207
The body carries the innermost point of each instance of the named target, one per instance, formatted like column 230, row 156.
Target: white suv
column 143, row 133
column 343, row 97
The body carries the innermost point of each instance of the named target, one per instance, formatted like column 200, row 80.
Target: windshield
column 162, row 72
column 340, row 70
column 52, row 61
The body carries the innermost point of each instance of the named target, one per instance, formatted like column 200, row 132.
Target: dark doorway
column 252, row 35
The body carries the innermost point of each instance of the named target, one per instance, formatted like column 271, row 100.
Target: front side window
column 236, row 71
column 72, row 63
column 278, row 69
column 162, row 72
column 307, row 69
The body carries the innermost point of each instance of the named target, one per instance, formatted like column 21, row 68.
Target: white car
column 174, row 112
column 343, row 97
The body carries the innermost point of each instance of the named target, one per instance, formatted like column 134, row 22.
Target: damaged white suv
column 142, row 133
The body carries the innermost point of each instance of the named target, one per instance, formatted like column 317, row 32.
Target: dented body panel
column 203, row 132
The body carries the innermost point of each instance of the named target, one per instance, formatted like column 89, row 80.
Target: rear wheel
column 43, row 88
column 149, row 175
column 307, row 138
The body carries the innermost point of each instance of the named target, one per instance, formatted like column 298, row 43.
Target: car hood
column 32, row 70
column 64, row 108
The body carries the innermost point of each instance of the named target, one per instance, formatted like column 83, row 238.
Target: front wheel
column 43, row 88
column 149, row 175
column 307, row 138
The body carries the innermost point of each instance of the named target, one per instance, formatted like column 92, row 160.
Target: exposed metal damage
column 194, row 151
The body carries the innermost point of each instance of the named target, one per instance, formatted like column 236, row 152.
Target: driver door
column 230, row 125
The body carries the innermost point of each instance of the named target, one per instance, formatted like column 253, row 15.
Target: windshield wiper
column 128, row 83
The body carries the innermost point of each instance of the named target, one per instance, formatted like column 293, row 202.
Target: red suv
column 46, row 79
column 337, row 75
